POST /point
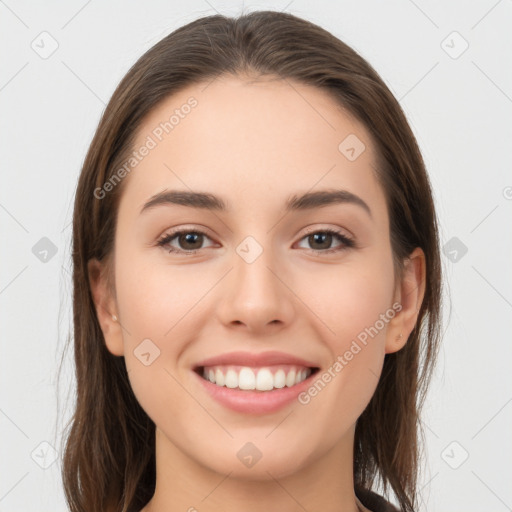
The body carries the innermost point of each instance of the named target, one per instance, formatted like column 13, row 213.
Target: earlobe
column 105, row 306
column 410, row 293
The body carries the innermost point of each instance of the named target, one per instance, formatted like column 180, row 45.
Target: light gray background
column 459, row 107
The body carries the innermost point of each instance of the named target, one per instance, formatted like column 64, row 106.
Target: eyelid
column 337, row 229
column 196, row 228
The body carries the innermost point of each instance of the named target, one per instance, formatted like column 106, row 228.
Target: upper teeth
column 261, row 379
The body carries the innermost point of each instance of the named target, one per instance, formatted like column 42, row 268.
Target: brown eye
column 323, row 240
column 320, row 241
column 189, row 241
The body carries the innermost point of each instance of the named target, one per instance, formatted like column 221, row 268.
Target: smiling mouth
column 265, row 378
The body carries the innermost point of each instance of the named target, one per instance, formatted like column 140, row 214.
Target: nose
column 255, row 295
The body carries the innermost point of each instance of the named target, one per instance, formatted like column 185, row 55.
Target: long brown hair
column 109, row 456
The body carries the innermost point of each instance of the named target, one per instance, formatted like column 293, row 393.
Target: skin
column 254, row 144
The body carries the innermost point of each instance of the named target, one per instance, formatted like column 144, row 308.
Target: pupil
column 322, row 236
column 188, row 236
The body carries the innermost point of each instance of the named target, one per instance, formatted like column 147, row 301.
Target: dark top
column 374, row 502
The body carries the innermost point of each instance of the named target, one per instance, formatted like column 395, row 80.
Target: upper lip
column 256, row 360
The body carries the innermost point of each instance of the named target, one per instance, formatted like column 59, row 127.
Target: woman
column 256, row 280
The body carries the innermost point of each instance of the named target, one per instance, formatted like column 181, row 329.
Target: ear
column 409, row 294
column 106, row 306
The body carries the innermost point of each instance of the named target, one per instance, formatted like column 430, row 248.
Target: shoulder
column 374, row 502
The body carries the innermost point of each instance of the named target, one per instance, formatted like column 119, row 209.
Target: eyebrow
column 207, row 201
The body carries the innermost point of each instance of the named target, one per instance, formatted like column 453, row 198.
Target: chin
column 248, row 463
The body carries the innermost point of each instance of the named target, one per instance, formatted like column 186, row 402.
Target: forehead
column 250, row 141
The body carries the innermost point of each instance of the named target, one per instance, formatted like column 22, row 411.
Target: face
column 268, row 273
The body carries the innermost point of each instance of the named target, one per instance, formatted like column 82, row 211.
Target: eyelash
column 348, row 243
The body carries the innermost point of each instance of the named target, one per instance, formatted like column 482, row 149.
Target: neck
column 321, row 485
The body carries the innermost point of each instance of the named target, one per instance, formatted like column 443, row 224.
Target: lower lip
column 254, row 402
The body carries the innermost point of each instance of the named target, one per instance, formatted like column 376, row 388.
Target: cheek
column 353, row 298
column 152, row 303
column 357, row 307
column 156, row 299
